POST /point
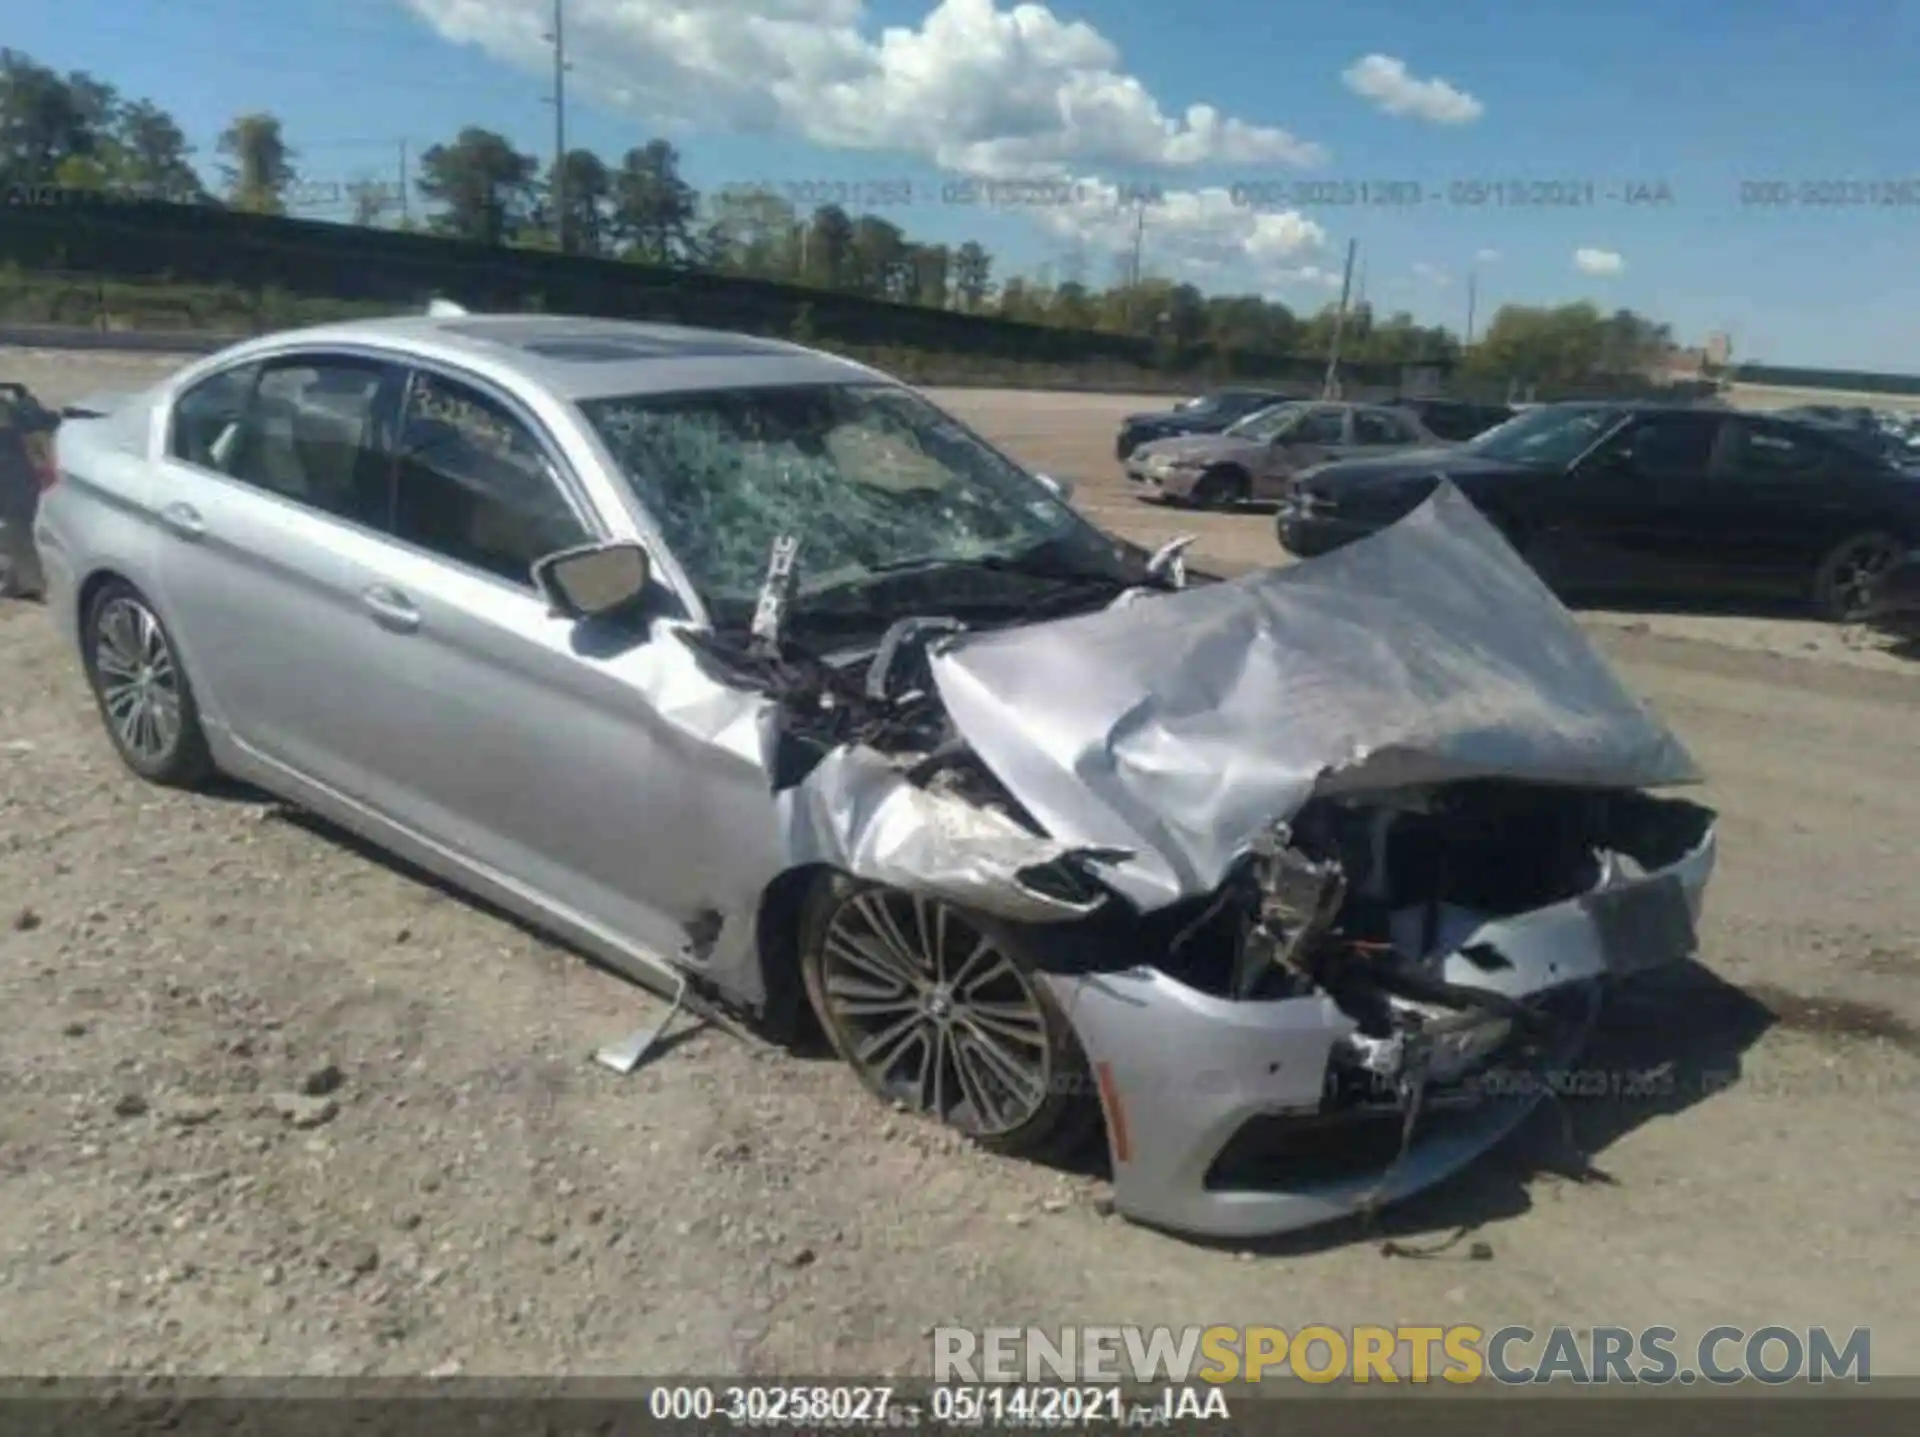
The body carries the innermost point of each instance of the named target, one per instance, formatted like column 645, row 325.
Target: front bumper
column 1187, row 1079
column 1162, row 483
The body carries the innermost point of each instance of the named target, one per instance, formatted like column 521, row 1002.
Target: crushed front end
column 1378, row 994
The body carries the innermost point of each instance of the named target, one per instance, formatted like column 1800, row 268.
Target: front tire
column 940, row 1011
column 1845, row 578
column 142, row 690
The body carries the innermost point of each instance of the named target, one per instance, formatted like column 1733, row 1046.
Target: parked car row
column 1648, row 498
column 1254, row 458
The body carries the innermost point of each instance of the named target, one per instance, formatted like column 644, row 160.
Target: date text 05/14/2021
column 1455, row 194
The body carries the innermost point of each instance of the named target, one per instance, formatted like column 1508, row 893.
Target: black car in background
column 1208, row 414
column 1456, row 419
column 1648, row 498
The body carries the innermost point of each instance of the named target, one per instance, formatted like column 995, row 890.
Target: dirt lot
column 273, row 1106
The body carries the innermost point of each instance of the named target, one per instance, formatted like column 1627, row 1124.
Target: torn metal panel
column 858, row 813
column 1183, row 728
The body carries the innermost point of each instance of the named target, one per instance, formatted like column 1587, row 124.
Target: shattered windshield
column 872, row 481
column 1554, row 436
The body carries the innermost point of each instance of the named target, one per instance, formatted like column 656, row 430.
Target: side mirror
column 594, row 580
column 1062, row 488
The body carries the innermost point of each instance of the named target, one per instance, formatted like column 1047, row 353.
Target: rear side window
column 1373, row 426
column 206, row 418
column 310, row 433
column 474, row 484
column 1670, row 445
column 1772, row 452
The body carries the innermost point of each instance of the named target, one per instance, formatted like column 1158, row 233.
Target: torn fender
column 856, row 812
column 1181, row 728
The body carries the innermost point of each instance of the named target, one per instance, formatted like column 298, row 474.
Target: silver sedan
column 752, row 672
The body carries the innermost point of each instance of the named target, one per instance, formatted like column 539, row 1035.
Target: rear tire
column 1222, row 488
column 141, row 687
column 1844, row 579
column 942, row 1012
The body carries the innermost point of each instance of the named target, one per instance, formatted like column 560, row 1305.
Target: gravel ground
column 273, row 1105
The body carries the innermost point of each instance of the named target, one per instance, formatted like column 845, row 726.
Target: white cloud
column 1488, row 256
column 972, row 87
column 1194, row 233
column 1392, row 88
column 1597, row 261
column 1432, row 274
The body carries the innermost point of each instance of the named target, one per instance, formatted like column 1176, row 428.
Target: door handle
column 184, row 520
column 391, row 609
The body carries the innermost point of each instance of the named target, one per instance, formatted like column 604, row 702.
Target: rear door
column 269, row 465
column 1784, row 495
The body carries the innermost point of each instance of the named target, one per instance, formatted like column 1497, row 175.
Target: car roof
column 585, row 358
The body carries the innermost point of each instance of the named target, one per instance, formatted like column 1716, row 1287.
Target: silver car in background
column 1255, row 457
column 755, row 674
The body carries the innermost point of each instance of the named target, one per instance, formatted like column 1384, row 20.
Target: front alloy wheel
column 943, row 1016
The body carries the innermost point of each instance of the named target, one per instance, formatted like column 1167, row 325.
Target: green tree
column 972, row 275
column 43, row 121
column 653, row 208
column 827, row 257
column 753, row 231
column 880, row 261
column 154, row 157
column 257, row 165
column 482, row 186
column 587, row 184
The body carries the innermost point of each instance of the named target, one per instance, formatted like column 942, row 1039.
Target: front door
column 1637, row 514
column 497, row 737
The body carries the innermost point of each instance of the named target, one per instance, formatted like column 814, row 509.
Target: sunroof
column 589, row 350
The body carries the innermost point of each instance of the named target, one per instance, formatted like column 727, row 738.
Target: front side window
column 873, row 481
column 1268, row 423
column 1669, row 445
column 1551, row 437
column 474, row 485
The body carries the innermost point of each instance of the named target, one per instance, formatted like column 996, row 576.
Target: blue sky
column 1623, row 99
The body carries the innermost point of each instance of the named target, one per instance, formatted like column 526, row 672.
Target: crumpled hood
column 1201, row 449
column 1182, row 727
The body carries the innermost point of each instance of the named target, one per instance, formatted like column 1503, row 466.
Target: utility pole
column 1473, row 294
column 1339, row 324
column 405, row 211
column 557, row 37
column 1139, row 239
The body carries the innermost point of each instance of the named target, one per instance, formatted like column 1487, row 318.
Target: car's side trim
column 640, row 963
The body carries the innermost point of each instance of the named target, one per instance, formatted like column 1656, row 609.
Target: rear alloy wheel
column 1845, row 579
column 143, row 693
column 1222, row 488
column 939, row 1013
